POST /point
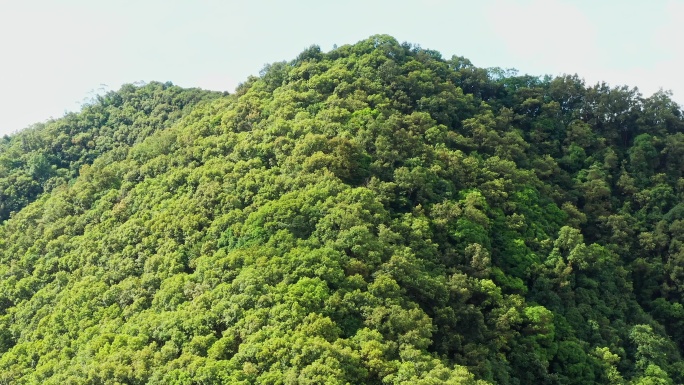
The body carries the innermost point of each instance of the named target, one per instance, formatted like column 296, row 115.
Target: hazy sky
column 56, row 53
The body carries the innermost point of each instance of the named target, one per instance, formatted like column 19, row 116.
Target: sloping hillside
column 376, row 214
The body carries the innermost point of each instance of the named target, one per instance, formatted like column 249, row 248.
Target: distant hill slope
column 375, row 214
column 44, row 156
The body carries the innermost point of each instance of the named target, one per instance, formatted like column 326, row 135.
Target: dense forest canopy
column 376, row 214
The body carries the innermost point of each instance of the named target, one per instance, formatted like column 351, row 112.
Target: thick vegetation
column 371, row 215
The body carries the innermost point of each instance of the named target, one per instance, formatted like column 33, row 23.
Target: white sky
column 55, row 54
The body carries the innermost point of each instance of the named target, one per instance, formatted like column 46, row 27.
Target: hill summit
column 375, row 214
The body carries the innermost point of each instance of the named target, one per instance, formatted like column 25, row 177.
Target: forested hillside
column 376, row 214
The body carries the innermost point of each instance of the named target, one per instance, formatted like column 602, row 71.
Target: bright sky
column 55, row 54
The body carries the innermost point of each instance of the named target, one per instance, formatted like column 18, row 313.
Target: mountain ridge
column 373, row 214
